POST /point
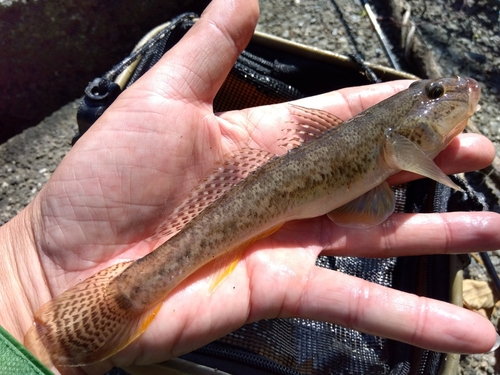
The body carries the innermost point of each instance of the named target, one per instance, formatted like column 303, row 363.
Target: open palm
column 160, row 137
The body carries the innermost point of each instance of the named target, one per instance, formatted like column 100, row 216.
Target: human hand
column 147, row 152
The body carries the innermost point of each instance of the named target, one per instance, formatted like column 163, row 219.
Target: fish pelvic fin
column 370, row 209
column 86, row 324
column 401, row 153
column 225, row 264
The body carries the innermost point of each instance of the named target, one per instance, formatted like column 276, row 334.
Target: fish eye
column 434, row 90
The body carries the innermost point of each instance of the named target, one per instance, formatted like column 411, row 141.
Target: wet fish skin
column 316, row 178
column 309, row 181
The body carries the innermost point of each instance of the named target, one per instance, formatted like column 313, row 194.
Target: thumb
column 196, row 67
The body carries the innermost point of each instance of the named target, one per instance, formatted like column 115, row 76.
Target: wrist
column 23, row 287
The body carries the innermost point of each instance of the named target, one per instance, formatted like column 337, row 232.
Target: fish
column 332, row 168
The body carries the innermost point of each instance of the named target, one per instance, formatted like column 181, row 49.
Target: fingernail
column 497, row 344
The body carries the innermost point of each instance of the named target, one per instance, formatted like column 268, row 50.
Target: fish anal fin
column 401, row 153
column 85, row 324
column 230, row 172
column 225, row 264
column 306, row 124
column 368, row 210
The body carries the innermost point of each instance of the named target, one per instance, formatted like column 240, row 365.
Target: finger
column 467, row 152
column 351, row 302
column 400, row 234
column 196, row 67
column 264, row 125
column 348, row 102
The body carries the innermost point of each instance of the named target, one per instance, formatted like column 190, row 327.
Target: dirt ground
column 463, row 38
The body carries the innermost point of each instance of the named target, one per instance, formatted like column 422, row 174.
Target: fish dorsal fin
column 401, row 153
column 86, row 324
column 306, row 124
column 231, row 171
column 368, row 210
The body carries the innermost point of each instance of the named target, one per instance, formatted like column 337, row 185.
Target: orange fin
column 85, row 324
column 230, row 172
column 225, row 264
column 306, row 124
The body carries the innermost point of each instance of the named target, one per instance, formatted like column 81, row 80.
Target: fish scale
column 340, row 172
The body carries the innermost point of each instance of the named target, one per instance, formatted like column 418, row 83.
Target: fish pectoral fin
column 368, row 210
column 401, row 153
column 225, row 264
column 306, row 124
column 85, row 324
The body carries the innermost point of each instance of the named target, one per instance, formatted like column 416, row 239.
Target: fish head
column 439, row 111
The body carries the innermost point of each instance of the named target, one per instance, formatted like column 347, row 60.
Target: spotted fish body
column 340, row 172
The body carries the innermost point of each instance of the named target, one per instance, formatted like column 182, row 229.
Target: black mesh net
column 263, row 75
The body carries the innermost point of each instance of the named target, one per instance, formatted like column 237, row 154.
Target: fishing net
column 267, row 72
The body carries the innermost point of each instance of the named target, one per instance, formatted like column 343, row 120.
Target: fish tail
column 86, row 324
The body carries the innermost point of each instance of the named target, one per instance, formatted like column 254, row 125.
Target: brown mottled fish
column 338, row 170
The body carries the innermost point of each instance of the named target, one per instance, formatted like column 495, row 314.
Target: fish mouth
column 474, row 94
